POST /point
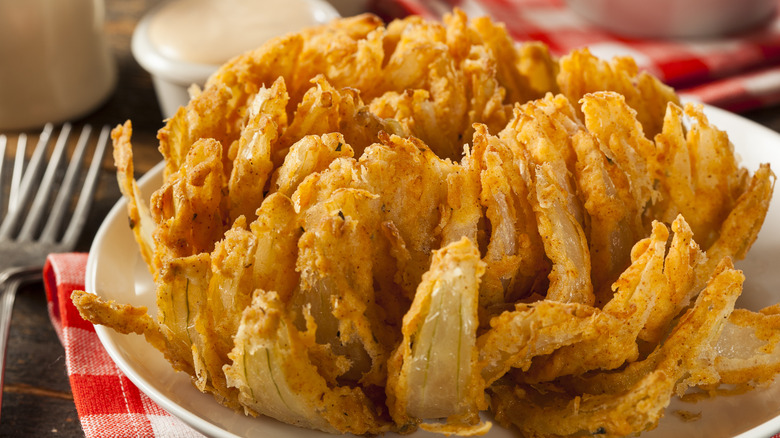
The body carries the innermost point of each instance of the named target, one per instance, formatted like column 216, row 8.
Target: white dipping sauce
column 213, row 31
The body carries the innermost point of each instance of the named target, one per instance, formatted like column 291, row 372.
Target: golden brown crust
column 366, row 228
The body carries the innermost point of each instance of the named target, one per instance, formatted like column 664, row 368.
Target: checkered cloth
column 737, row 73
column 108, row 404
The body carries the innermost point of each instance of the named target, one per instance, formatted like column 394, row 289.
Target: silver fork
column 24, row 244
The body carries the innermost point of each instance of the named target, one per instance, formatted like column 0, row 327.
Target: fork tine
column 86, row 196
column 3, row 144
column 49, row 233
column 27, row 178
column 44, row 189
column 16, row 177
column 26, row 182
column 11, row 279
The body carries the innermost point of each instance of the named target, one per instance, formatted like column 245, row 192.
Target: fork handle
column 10, row 280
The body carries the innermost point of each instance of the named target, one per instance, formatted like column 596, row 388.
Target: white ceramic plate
column 116, row 271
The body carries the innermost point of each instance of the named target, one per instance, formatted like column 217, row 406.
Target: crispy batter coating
column 637, row 400
column 582, row 73
column 367, row 228
column 137, row 209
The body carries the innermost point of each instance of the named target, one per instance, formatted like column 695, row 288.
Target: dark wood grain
column 769, row 117
column 37, row 400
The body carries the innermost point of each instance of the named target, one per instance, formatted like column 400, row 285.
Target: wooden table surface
column 37, row 400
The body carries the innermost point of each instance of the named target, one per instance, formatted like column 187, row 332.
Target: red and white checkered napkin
column 108, row 404
column 738, row 73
